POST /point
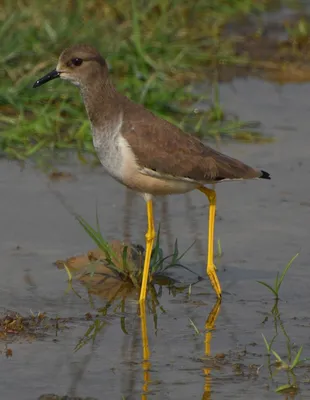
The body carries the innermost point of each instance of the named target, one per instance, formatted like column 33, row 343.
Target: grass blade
column 97, row 238
column 286, row 269
column 194, row 326
column 180, row 266
column 296, row 360
column 266, row 343
column 277, row 357
column 284, row 388
column 269, row 287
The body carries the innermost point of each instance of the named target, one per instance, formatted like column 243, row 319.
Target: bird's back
column 164, row 148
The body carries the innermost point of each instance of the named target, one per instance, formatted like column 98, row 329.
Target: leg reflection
column 146, row 352
column 210, row 325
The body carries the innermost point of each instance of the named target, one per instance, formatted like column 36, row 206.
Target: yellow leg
column 209, row 328
column 211, row 270
column 146, row 352
column 149, row 237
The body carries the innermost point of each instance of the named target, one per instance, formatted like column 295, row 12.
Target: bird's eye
column 77, row 62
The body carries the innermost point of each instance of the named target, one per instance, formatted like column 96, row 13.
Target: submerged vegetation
column 288, row 364
column 155, row 49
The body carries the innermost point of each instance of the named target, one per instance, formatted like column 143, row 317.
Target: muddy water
column 261, row 226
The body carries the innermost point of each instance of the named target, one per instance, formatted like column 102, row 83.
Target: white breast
column 106, row 140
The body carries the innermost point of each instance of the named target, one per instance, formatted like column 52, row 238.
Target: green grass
column 279, row 279
column 280, row 362
column 130, row 269
column 298, row 33
column 292, row 360
column 155, row 49
column 288, row 366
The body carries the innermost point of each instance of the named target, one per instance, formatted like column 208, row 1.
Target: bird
column 146, row 153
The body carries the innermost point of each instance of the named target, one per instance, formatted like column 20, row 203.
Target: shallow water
column 261, row 226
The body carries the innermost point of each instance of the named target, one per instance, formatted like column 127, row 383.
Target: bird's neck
column 100, row 99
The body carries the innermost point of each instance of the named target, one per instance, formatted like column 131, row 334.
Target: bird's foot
column 211, row 271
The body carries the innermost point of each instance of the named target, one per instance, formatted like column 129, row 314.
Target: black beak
column 48, row 77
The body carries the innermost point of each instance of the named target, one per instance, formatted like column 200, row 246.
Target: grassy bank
column 154, row 48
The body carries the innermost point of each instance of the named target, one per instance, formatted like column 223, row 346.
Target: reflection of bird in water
column 209, row 328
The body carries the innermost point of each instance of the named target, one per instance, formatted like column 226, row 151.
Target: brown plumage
column 162, row 147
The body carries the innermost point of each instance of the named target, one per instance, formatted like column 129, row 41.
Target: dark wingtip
column 265, row 175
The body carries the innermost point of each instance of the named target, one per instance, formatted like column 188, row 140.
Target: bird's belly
column 157, row 186
column 118, row 160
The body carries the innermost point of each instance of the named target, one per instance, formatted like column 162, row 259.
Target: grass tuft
column 128, row 265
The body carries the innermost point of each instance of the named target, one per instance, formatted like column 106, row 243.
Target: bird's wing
column 162, row 149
